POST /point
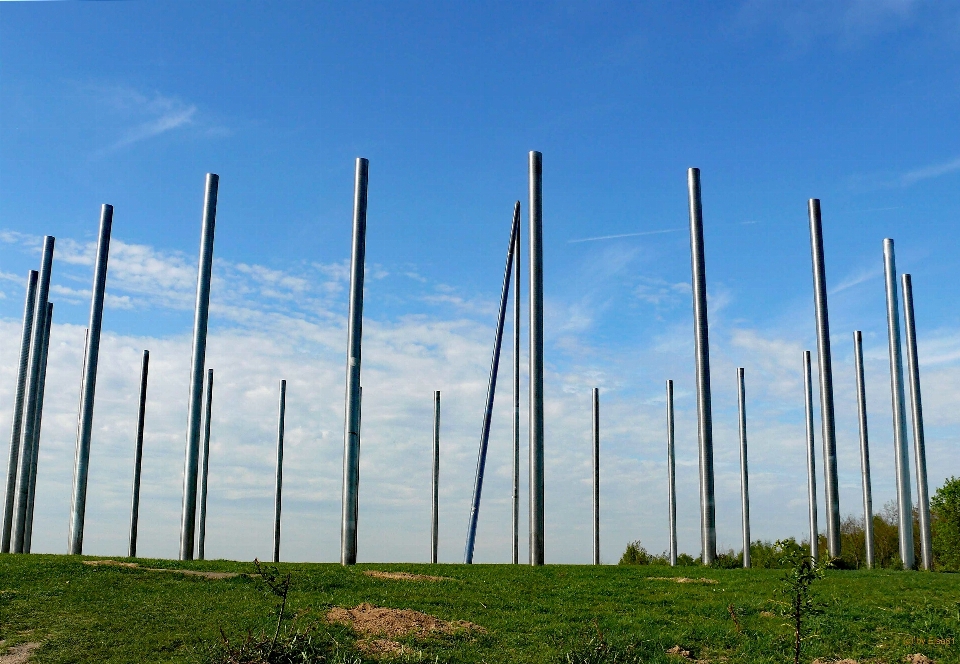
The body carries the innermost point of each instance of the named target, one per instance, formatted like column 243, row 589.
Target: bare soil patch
column 917, row 658
column 379, row 647
column 404, row 576
column 846, row 660
column 18, row 654
column 686, row 656
column 381, row 621
column 681, row 579
column 188, row 572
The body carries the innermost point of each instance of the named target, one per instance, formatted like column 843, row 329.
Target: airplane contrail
column 613, row 237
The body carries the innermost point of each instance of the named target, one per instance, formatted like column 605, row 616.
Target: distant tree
column 635, row 555
column 945, row 525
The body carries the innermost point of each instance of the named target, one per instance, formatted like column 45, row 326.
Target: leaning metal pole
column 351, row 427
column 31, row 397
column 435, row 481
column 671, row 478
column 276, row 505
column 916, row 410
column 708, row 513
column 516, row 400
column 188, row 516
column 825, row 364
column 491, row 392
column 16, row 427
column 35, row 454
column 811, row 457
column 901, row 455
column 138, row 457
column 82, row 462
column 535, row 172
column 596, row 475
column 864, row 449
column 744, row 486
column 205, row 464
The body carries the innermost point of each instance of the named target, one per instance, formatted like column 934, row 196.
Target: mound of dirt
column 381, row 621
column 188, row 572
column 681, row 579
column 686, row 656
column 404, row 576
column 18, row 654
column 917, row 658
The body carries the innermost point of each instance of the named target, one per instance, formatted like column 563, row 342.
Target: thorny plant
column 803, row 571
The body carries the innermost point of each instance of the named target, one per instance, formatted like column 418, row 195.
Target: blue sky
column 130, row 103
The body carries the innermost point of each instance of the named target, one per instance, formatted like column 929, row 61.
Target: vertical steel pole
column 138, row 458
column 30, row 400
column 671, row 478
column 35, row 454
column 535, row 172
column 825, row 364
column 491, row 392
column 811, row 457
column 205, row 464
column 864, row 449
column 708, row 512
column 435, row 483
column 188, row 516
column 13, row 464
column 276, row 506
column 596, row 476
column 901, row 457
column 744, row 479
column 516, row 400
column 351, row 427
column 916, row 409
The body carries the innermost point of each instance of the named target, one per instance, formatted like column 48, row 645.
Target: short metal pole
column 671, row 478
column 276, row 508
column 811, row 456
column 16, row 427
column 204, row 472
column 825, row 364
column 35, row 455
column 138, row 457
column 535, row 172
column 901, row 456
column 435, row 483
column 708, row 511
column 516, row 400
column 491, row 393
column 916, row 408
column 744, row 479
column 351, row 427
column 31, row 399
column 864, row 450
column 596, row 476
column 192, row 453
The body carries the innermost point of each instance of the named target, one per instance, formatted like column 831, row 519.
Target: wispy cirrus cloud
column 929, row 172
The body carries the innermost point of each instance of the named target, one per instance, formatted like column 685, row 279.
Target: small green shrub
column 635, row 555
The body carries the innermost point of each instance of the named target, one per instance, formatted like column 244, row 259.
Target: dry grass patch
column 404, row 576
column 846, row 660
column 371, row 620
column 681, row 579
column 19, row 654
column 188, row 572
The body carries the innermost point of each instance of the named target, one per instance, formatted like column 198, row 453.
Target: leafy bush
column 635, row 555
column 945, row 525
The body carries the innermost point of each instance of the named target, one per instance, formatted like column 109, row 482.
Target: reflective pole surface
column 901, row 455
column 708, row 514
column 916, row 410
column 744, row 486
column 16, row 428
column 188, row 517
column 811, row 457
column 864, row 449
column 536, row 357
column 671, row 477
column 435, row 481
column 276, row 505
column 138, row 458
column 491, row 393
column 351, row 428
column 516, row 400
column 204, row 474
column 825, row 365
column 596, row 475
column 35, row 454
column 31, row 398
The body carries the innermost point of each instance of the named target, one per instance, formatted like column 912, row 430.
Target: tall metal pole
column 916, row 410
column 491, row 392
column 535, row 172
column 596, row 476
column 35, row 454
column 825, row 364
column 435, row 483
column 708, row 512
column 671, row 478
column 901, row 455
column 16, row 427
column 351, row 427
column 188, row 516
column 744, row 480
column 138, row 458
column 31, row 398
column 864, row 449
column 516, row 400
column 811, row 457
column 276, row 508
column 205, row 464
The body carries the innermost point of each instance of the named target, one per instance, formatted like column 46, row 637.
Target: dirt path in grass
column 188, row 572
column 404, row 576
column 18, row 654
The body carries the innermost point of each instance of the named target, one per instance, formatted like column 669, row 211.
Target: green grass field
column 82, row 613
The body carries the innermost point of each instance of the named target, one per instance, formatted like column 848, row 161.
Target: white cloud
column 928, row 172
